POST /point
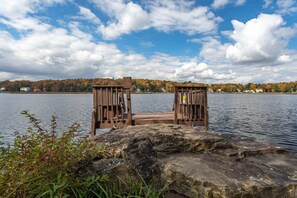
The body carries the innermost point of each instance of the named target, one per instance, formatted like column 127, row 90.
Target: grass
column 44, row 163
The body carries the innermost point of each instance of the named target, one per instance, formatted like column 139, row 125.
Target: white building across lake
column 25, row 89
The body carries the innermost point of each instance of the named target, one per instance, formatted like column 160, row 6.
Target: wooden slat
column 101, row 106
column 112, row 105
column 182, row 101
column 106, row 108
column 175, row 104
column 206, row 111
column 188, row 106
column 122, row 103
column 107, row 103
column 195, row 106
column 117, row 105
column 200, row 105
column 129, row 111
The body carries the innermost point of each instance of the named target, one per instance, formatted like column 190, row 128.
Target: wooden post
column 127, row 85
column 129, row 109
column 175, row 104
column 205, row 110
column 93, row 128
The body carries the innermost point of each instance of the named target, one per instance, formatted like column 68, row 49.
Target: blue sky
column 209, row 41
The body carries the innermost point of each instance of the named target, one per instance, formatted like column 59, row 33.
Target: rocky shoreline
column 194, row 163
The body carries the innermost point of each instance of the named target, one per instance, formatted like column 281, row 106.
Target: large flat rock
column 199, row 164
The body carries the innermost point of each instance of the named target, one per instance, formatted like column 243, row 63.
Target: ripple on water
column 262, row 116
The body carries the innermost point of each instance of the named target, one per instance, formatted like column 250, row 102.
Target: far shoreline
column 209, row 93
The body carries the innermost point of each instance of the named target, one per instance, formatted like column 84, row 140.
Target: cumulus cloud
column 43, row 51
column 213, row 51
column 259, row 40
column 221, row 3
column 286, row 6
column 87, row 14
column 182, row 16
column 281, row 6
column 199, row 72
column 16, row 9
column 165, row 16
column 15, row 13
column 125, row 18
column 284, row 59
column 61, row 53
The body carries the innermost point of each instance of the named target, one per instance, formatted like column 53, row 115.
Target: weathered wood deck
column 112, row 107
column 157, row 118
column 153, row 118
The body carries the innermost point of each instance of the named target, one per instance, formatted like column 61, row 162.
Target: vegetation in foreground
column 45, row 164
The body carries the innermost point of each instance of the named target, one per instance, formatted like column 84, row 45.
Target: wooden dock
column 112, row 107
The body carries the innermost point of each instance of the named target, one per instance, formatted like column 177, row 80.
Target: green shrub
column 43, row 163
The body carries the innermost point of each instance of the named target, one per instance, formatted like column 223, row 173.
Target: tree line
column 139, row 85
column 283, row 87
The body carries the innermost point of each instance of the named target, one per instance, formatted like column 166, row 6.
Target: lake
column 266, row 117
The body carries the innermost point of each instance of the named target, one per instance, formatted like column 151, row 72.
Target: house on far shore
column 36, row 89
column 249, row 91
column 25, row 89
column 259, row 90
column 2, row 88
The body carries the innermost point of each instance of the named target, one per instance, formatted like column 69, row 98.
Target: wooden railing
column 190, row 106
column 111, row 107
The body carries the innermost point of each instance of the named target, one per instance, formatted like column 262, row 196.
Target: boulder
column 194, row 163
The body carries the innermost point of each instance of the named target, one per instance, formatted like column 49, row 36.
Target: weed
column 42, row 163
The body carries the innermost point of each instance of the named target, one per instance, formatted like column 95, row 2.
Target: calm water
column 271, row 118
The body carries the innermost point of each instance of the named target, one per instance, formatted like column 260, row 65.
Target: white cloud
column 182, row 16
column 284, row 59
column 147, row 44
column 75, row 30
column 259, row 40
column 213, row 51
column 87, row 14
column 165, row 16
column 16, row 9
column 281, row 6
column 221, row 3
column 267, row 3
column 286, row 6
column 61, row 53
column 200, row 72
column 239, row 2
column 42, row 51
column 15, row 13
column 126, row 18
column 25, row 23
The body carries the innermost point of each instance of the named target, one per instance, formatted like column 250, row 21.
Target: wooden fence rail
column 190, row 106
column 112, row 107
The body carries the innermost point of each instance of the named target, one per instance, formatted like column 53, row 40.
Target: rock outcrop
column 198, row 164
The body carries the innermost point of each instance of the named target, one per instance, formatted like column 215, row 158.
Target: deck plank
column 154, row 116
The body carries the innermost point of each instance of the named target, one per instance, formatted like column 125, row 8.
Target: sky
column 208, row 41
